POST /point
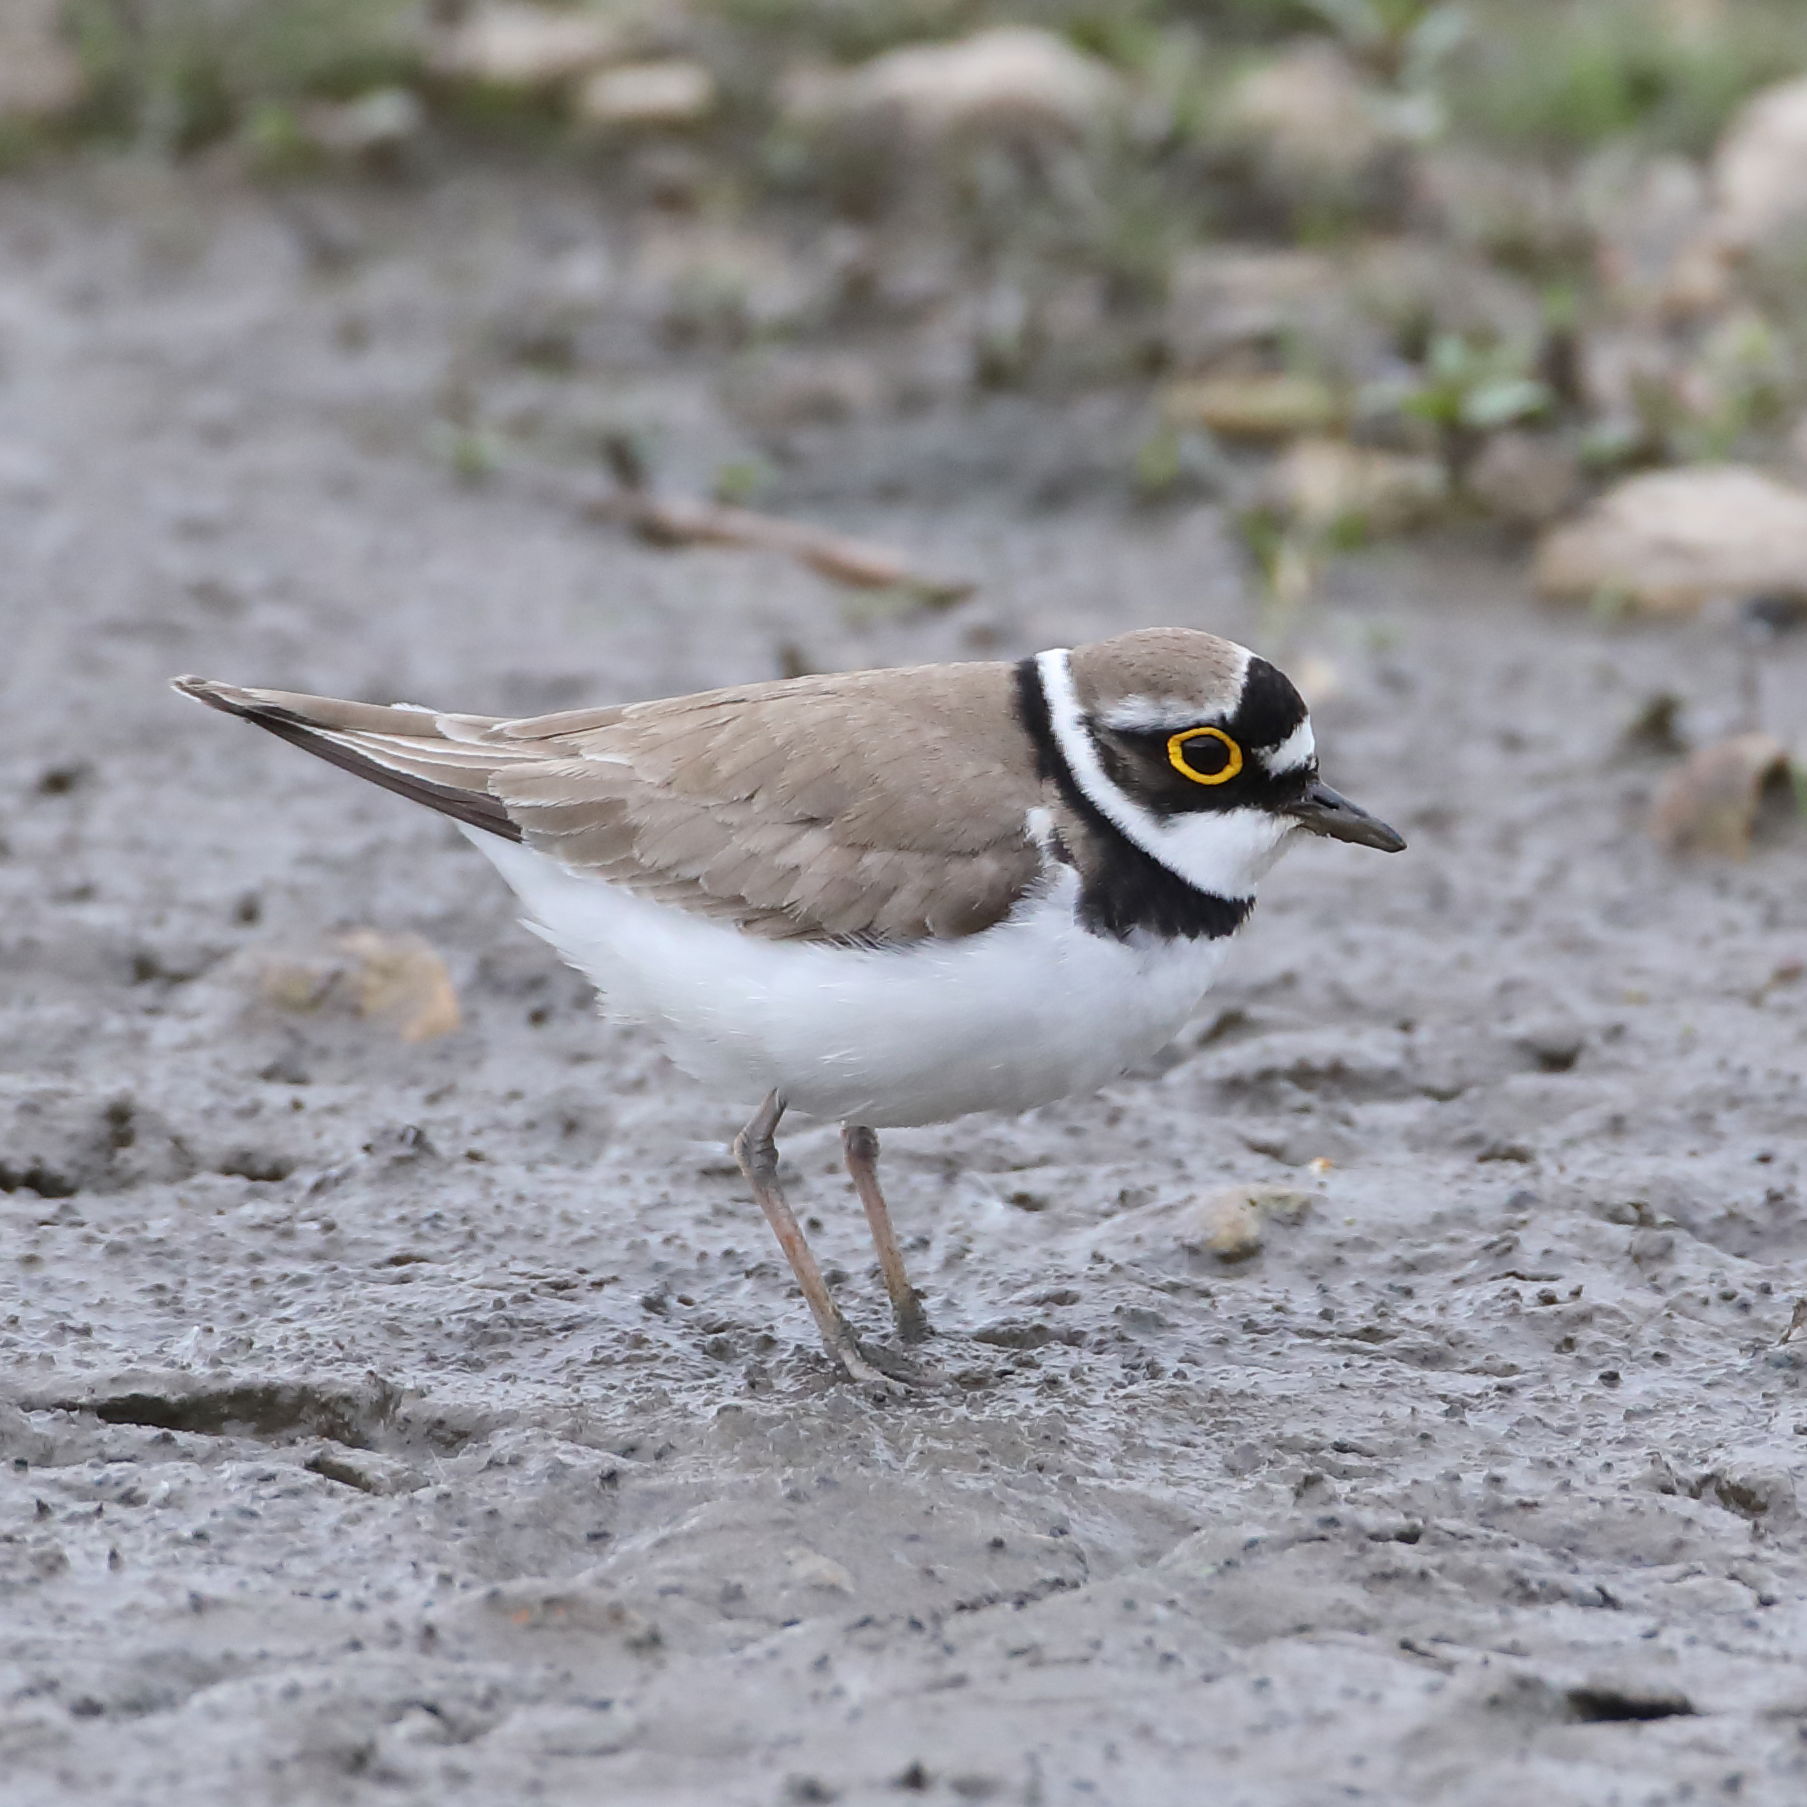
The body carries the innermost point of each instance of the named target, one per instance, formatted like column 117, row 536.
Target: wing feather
column 883, row 806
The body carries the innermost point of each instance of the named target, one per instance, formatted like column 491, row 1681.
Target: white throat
column 1222, row 852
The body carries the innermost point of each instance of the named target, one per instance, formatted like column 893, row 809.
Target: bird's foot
column 880, row 1370
column 912, row 1321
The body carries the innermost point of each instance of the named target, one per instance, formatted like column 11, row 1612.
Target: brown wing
column 884, row 805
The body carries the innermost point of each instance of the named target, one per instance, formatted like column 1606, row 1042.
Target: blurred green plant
column 1288, row 562
column 1406, row 42
column 1466, row 390
column 848, row 30
column 1740, row 381
column 1105, row 220
column 1131, row 231
column 273, row 136
column 172, row 75
column 1176, row 461
column 711, row 302
column 741, row 482
column 472, row 453
column 1567, row 75
column 1609, row 447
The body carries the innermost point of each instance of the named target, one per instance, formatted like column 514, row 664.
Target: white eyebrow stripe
column 1298, row 749
column 1221, row 854
column 1151, row 714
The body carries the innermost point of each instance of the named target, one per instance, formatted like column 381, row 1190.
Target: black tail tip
column 204, row 690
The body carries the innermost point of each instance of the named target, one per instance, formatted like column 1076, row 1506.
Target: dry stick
column 691, row 521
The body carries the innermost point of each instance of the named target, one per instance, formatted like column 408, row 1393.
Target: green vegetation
column 1497, row 244
column 174, row 75
column 1467, row 390
column 1569, row 75
column 1549, row 77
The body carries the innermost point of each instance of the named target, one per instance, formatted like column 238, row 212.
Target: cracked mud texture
column 437, row 1422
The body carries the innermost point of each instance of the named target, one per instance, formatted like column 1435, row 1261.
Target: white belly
column 1029, row 1011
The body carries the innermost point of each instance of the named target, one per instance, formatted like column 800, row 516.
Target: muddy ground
column 435, row 1421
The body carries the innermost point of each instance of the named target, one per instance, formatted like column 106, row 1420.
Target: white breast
column 1024, row 1013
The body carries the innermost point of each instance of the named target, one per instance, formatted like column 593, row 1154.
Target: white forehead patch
column 1295, row 752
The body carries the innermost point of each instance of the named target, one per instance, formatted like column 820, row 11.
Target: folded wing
column 881, row 806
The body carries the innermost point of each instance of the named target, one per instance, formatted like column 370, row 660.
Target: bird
column 882, row 898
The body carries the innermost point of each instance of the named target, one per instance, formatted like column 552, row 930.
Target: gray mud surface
column 436, row 1421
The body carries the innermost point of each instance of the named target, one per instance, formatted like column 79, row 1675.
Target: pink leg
column 860, row 1145
column 757, row 1154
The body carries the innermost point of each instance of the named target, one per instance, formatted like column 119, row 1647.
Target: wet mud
column 385, row 1421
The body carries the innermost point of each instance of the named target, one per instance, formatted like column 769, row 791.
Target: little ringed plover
column 880, row 897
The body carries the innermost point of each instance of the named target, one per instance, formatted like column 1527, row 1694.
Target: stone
column 1263, row 405
column 1231, row 1224
column 1309, row 118
column 1759, row 174
column 1710, row 803
column 638, row 96
column 1227, row 1226
column 1554, row 1042
column 1230, row 1228
column 399, row 981
column 1013, row 81
column 1667, row 541
column 366, row 1470
column 596, row 1728
column 41, row 76
column 1326, row 484
column 1755, row 1485
column 811, row 1569
column 512, row 44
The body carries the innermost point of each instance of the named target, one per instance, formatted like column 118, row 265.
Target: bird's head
column 1196, row 750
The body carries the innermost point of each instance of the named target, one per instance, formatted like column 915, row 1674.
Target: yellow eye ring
column 1176, row 755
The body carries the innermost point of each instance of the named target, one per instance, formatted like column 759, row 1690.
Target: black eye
column 1205, row 755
